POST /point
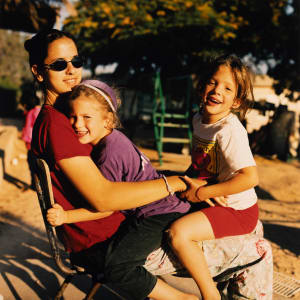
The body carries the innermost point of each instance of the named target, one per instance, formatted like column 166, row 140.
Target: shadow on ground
column 20, row 184
column 284, row 236
column 28, row 262
column 263, row 194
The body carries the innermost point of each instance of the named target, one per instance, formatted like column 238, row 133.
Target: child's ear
column 236, row 104
column 109, row 121
column 36, row 73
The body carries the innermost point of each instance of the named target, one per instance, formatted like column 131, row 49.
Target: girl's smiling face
column 219, row 95
column 89, row 120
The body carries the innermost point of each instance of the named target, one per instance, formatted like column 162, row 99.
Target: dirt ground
column 278, row 192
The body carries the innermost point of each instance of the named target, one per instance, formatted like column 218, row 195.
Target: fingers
column 209, row 202
column 193, row 185
column 194, row 181
column 222, row 201
column 187, row 179
column 51, row 219
column 56, row 205
column 54, row 215
column 182, row 195
column 189, row 195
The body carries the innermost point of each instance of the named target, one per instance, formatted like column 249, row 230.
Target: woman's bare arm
column 105, row 195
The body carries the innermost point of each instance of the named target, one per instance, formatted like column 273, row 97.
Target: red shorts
column 227, row 221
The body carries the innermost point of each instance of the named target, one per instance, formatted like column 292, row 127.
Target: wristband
column 169, row 189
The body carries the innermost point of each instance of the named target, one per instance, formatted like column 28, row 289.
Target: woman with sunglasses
column 57, row 67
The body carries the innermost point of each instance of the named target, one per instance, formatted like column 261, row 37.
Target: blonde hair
column 83, row 90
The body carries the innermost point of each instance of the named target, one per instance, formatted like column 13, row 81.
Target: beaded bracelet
column 169, row 189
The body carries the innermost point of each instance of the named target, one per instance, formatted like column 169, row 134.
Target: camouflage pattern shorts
column 243, row 262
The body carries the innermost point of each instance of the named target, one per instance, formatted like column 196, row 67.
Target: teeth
column 215, row 101
column 71, row 81
column 81, row 133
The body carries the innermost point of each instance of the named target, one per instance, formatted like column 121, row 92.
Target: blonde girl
column 93, row 115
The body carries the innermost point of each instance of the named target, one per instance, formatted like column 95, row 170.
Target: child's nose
column 218, row 89
column 78, row 123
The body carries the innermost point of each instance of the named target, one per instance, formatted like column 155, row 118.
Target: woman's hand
column 56, row 215
column 221, row 201
column 196, row 193
column 192, row 187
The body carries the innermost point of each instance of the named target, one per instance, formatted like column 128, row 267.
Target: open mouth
column 213, row 100
column 81, row 133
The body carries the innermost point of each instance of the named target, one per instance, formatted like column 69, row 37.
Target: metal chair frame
column 44, row 192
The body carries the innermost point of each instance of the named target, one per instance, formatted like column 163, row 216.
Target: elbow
column 255, row 179
column 255, row 182
column 103, row 206
column 252, row 174
column 99, row 207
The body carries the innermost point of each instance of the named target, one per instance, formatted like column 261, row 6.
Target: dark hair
column 37, row 46
column 242, row 76
column 29, row 99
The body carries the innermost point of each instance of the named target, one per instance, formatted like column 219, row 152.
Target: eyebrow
column 232, row 84
column 229, row 83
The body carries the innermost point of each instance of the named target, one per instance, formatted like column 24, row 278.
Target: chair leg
column 62, row 288
column 93, row 291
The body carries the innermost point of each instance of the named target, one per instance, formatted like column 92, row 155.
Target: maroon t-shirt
column 54, row 139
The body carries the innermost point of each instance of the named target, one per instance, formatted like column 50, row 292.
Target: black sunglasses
column 61, row 64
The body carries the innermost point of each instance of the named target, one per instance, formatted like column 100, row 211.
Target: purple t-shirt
column 120, row 160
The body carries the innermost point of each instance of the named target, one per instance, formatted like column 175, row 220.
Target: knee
column 177, row 236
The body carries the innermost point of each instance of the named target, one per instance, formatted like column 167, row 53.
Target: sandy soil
column 279, row 202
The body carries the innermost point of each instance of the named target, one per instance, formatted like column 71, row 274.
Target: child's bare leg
column 163, row 291
column 184, row 234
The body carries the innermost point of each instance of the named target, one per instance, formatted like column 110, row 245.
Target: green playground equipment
column 171, row 109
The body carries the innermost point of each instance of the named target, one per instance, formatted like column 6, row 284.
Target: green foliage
column 117, row 30
column 13, row 59
column 125, row 19
column 286, row 49
column 179, row 35
column 271, row 34
column 7, row 85
column 14, row 71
